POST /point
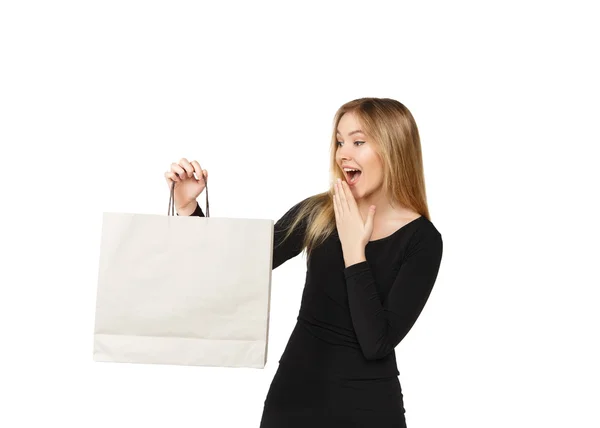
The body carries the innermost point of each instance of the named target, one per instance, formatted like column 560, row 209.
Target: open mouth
column 352, row 176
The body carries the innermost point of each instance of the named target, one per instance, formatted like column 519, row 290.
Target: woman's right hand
column 190, row 181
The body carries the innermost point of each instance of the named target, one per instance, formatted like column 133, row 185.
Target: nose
column 345, row 152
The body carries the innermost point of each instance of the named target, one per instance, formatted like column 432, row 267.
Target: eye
column 339, row 142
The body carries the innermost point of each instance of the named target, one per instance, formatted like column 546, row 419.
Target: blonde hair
column 393, row 131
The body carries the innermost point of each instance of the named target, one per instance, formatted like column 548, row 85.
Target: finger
column 171, row 177
column 198, row 170
column 342, row 196
column 338, row 201
column 189, row 169
column 176, row 168
column 335, row 207
column 349, row 196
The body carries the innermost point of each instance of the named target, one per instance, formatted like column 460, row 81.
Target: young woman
column 373, row 256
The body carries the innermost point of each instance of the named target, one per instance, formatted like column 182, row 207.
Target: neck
column 383, row 207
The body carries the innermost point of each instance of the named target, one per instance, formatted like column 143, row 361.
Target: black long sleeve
column 381, row 326
column 198, row 211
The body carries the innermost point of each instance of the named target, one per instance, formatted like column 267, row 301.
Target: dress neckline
column 385, row 238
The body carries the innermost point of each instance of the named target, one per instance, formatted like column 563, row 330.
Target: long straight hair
column 392, row 129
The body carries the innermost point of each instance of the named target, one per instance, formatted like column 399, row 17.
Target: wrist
column 354, row 257
column 188, row 209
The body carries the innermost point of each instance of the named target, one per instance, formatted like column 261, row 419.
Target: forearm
column 368, row 314
column 380, row 322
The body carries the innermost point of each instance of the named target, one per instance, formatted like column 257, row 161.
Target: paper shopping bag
column 183, row 290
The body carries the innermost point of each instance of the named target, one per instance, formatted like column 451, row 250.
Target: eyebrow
column 358, row 131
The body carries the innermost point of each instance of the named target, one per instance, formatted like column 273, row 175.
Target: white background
column 98, row 98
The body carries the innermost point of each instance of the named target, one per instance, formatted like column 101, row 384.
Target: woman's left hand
column 353, row 231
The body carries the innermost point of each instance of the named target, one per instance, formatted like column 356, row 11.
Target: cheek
column 375, row 173
column 374, row 166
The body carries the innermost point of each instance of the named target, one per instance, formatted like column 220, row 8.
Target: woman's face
column 356, row 150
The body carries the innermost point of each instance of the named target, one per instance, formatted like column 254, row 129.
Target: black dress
column 339, row 366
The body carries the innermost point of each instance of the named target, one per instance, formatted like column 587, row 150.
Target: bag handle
column 171, row 210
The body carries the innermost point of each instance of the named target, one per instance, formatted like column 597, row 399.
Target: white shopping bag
column 183, row 290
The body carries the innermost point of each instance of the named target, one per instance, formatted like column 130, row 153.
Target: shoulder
column 425, row 236
column 297, row 207
column 427, row 228
column 299, row 212
column 308, row 204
